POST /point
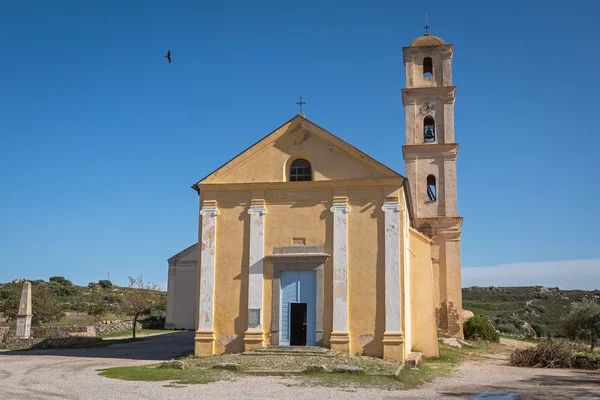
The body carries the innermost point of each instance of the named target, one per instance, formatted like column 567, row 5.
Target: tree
column 583, row 322
column 45, row 306
column 61, row 280
column 61, row 286
column 140, row 299
column 97, row 311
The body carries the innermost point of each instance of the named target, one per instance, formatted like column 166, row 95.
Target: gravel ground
column 71, row 374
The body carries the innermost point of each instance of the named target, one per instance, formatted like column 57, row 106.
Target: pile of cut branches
column 550, row 354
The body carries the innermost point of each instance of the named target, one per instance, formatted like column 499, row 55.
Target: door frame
column 297, row 258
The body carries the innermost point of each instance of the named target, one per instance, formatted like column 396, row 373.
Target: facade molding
column 308, row 258
column 415, row 95
column 447, row 151
column 300, row 186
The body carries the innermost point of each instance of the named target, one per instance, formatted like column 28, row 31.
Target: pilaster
column 205, row 335
column 340, row 337
column 254, row 336
column 393, row 339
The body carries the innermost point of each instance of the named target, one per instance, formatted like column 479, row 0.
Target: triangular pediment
column 331, row 158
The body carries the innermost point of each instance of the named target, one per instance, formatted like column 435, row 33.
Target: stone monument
column 24, row 314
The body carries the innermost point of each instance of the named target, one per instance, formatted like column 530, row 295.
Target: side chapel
column 307, row 241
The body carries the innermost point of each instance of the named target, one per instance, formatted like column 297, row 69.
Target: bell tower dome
column 430, row 158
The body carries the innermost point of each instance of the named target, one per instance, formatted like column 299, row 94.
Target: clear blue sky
column 101, row 138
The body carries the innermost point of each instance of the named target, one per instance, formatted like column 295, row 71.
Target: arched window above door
column 300, row 170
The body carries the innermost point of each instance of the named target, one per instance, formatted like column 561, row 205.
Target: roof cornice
column 306, row 185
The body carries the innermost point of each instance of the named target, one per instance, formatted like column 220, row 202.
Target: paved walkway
column 71, row 374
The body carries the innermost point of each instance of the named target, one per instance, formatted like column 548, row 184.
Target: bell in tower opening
column 428, row 130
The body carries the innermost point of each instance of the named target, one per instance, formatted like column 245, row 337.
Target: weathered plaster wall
column 182, row 289
column 185, row 305
column 301, row 215
column 366, row 263
column 424, row 329
column 231, row 271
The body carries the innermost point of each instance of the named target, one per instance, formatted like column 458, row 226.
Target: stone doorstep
column 291, row 351
column 290, row 354
column 299, row 349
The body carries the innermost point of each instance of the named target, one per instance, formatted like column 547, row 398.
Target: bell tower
column 430, row 159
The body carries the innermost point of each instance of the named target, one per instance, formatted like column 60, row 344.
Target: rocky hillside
column 526, row 310
column 57, row 297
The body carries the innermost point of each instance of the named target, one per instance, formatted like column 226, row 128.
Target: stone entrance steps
column 306, row 351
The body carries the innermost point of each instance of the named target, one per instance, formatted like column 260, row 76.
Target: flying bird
column 168, row 56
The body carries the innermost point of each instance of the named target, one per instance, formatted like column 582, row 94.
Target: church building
column 304, row 240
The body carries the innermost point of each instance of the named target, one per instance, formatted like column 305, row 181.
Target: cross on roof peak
column 301, row 103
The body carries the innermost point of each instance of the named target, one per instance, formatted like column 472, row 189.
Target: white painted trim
column 392, row 267
column 256, row 263
column 208, row 240
column 340, row 267
column 406, row 282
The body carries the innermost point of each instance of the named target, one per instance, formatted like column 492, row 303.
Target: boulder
column 467, row 315
column 453, row 342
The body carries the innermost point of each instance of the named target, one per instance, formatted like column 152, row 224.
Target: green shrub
column 61, row 280
column 540, row 330
column 97, row 310
column 61, row 290
column 477, row 328
column 112, row 298
column 105, row 283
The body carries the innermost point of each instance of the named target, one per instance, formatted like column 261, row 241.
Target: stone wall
column 116, row 326
column 53, row 336
column 44, row 332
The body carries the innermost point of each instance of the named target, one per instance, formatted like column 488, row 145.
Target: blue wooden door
column 298, row 287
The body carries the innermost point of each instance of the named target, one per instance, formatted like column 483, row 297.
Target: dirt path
column 72, row 374
column 492, row 374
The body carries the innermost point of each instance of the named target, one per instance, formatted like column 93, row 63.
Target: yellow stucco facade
column 299, row 216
